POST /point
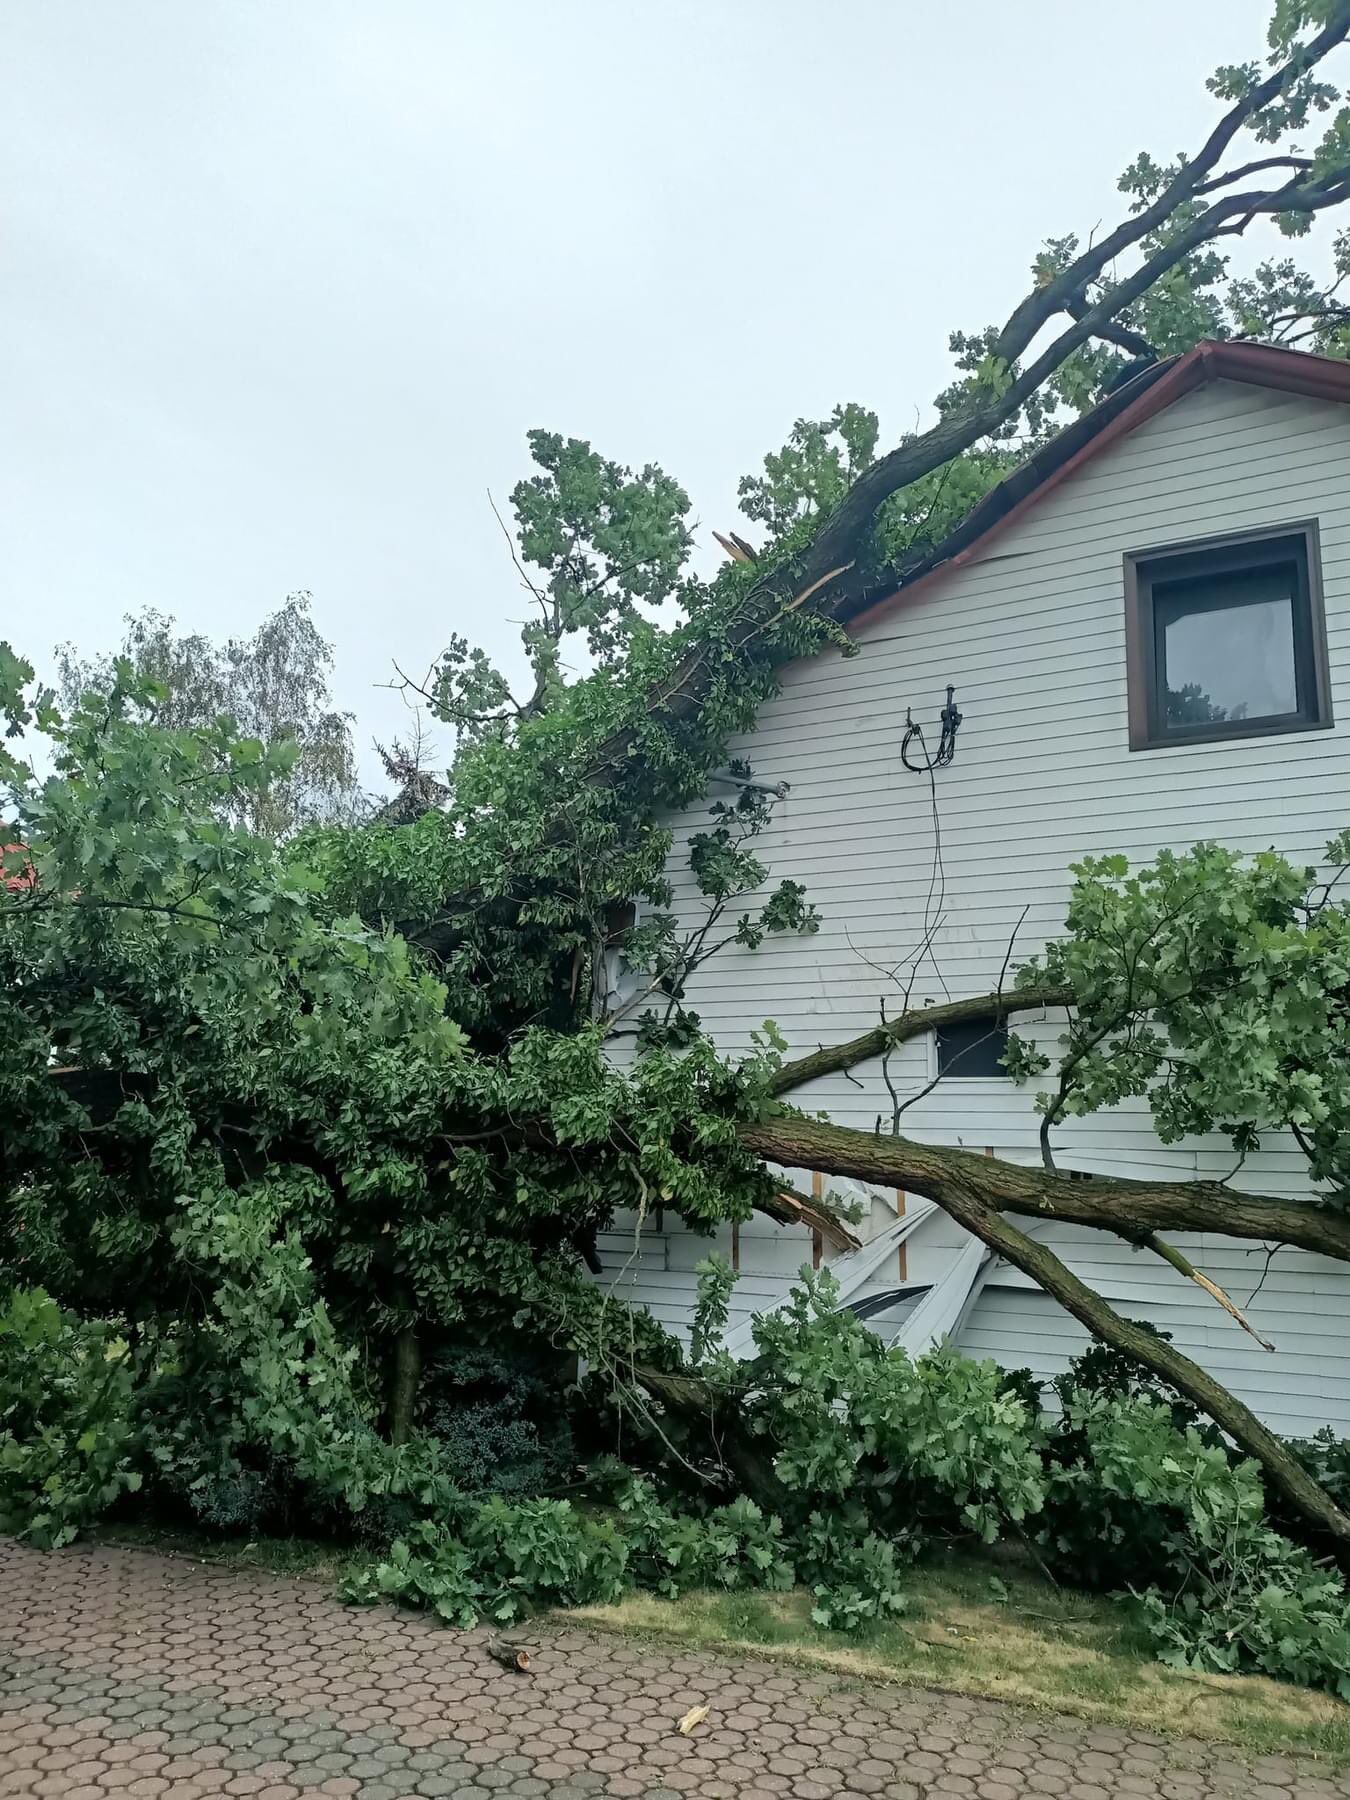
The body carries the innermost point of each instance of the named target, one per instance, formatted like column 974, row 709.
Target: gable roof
column 1122, row 411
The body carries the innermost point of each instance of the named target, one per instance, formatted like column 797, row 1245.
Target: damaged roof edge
column 1133, row 402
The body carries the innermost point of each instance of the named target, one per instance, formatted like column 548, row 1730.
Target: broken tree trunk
column 977, row 1190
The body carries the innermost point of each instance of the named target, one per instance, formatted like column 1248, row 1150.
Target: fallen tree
column 298, row 1076
column 1207, row 985
column 309, row 1113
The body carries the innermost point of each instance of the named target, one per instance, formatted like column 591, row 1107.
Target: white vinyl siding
column 1032, row 634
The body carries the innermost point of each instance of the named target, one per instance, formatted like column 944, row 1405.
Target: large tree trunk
column 975, row 1190
column 407, row 1372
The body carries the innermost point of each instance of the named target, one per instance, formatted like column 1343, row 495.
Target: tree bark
column 1129, row 1208
column 403, row 1390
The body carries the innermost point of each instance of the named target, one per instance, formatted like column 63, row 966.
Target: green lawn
column 973, row 1628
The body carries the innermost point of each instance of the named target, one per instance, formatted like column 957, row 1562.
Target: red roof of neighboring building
column 17, row 880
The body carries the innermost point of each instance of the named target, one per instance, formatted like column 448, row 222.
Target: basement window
column 972, row 1048
column 1226, row 640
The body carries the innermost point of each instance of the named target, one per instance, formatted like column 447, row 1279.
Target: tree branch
column 791, row 1208
column 1113, row 333
column 961, row 1198
column 834, row 550
column 1041, row 306
column 1185, row 1267
column 1252, row 168
column 1127, row 1208
column 911, row 1024
column 1246, row 1430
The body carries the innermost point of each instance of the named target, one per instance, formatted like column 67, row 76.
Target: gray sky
column 285, row 283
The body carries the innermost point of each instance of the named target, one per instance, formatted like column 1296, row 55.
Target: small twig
column 538, row 593
column 1272, row 1251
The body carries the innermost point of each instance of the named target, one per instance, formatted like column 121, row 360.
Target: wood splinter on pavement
column 695, row 1716
column 510, row 1656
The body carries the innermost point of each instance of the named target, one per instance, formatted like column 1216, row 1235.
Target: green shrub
column 748, row 1547
column 1088, row 1534
column 66, row 1438
column 1327, row 1459
column 544, row 1552
column 265, row 1416
column 938, row 1444
column 854, row 1575
column 201, row 1457
column 669, row 1552
column 503, row 1562
column 1284, row 1617
column 1235, row 1594
column 499, row 1420
column 428, row 1570
column 1102, row 1369
column 1023, row 1386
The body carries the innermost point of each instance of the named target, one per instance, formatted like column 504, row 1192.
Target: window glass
column 1226, row 639
column 973, row 1047
column 1227, row 647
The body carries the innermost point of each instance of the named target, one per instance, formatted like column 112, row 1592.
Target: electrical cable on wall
column 950, row 719
column 936, row 896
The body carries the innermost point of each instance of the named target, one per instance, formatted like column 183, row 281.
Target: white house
column 1193, row 529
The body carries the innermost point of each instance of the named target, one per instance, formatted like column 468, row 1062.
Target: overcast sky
column 286, row 281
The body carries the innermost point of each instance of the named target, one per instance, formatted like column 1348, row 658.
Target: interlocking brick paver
column 124, row 1674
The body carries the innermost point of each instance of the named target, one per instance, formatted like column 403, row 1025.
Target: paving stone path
column 126, row 1673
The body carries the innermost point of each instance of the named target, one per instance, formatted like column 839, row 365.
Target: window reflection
column 1228, row 648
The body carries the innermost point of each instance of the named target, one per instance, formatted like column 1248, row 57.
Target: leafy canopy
column 274, row 685
column 1213, row 984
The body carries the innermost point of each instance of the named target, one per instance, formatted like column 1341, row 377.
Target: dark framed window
column 974, row 1047
column 1226, row 639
